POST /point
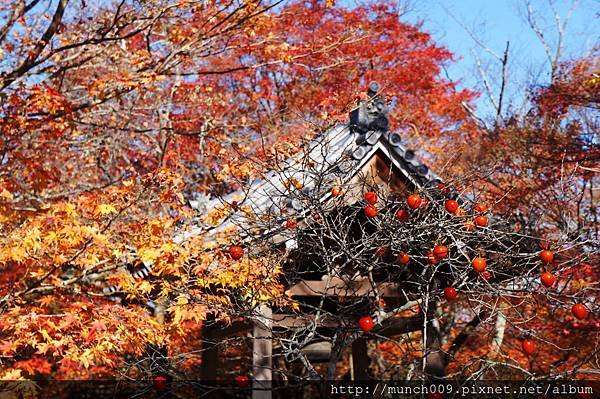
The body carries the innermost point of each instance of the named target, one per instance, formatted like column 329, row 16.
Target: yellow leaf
column 46, row 336
column 69, row 209
column 117, row 252
column 179, row 314
column 145, row 287
column 32, row 241
column 14, row 374
column 85, row 358
column 148, row 254
column 105, row 209
column 5, row 194
column 42, row 347
column 50, row 237
column 89, row 260
column 182, row 300
column 59, row 259
column 16, row 254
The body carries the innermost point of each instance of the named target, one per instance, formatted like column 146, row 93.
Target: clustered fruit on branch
column 447, row 250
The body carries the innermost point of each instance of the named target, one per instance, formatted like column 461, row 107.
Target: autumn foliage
column 114, row 116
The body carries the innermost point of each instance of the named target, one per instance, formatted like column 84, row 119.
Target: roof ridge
column 334, row 154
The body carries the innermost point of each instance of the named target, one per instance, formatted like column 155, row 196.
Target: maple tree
column 113, row 115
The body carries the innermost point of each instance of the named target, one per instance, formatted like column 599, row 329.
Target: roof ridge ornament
column 372, row 113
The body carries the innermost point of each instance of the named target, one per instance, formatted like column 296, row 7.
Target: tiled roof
column 336, row 155
column 333, row 157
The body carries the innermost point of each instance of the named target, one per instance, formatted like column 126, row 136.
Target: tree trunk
column 435, row 366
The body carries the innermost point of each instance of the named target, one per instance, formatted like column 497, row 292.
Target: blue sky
column 495, row 22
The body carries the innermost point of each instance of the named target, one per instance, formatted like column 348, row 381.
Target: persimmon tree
column 543, row 167
column 484, row 298
column 536, row 161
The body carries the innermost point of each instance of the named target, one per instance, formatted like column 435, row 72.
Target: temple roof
column 333, row 157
